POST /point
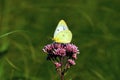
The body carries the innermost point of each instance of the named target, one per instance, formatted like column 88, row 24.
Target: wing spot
column 63, row 28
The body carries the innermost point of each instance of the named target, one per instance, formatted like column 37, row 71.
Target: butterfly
column 62, row 34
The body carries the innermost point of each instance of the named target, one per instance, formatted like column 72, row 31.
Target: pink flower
column 72, row 62
column 56, row 50
column 57, row 64
column 74, row 56
column 60, row 52
column 47, row 48
column 72, row 48
column 57, row 45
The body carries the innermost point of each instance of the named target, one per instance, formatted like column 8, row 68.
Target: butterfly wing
column 60, row 27
column 63, row 37
column 62, row 34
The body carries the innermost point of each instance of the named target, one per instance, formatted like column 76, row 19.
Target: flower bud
column 57, row 64
column 72, row 62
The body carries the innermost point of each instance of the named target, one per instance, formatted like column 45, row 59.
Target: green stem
column 62, row 70
column 62, row 76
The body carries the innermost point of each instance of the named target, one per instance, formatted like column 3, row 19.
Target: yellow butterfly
column 62, row 34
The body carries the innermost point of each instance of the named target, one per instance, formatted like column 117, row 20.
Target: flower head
column 60, row 49
column 57, row 64
column 74, row 56
column 62, row 55
column 72, row 48
column 71, row 62
column 48, row 48
column 60, row 52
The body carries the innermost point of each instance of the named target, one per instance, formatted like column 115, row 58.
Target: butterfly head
column 55, row 39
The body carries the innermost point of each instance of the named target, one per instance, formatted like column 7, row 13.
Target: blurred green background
column 95, row 25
